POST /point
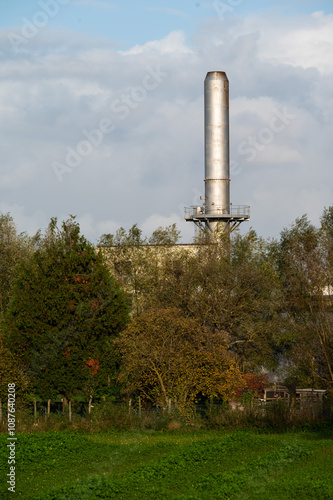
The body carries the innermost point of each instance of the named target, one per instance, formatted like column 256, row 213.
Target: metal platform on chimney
column 233, row 215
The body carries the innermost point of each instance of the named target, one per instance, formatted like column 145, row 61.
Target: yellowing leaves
column 166, row 355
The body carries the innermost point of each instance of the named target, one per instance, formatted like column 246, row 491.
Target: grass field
column 182, row 465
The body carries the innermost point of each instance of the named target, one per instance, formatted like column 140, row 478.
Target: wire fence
column 135, row 413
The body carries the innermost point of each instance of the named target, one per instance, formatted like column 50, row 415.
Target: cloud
column 89, row 225
column 25, row 220
column 174, row 43
column 302, row 41
column 152, row 163
column 157, row 220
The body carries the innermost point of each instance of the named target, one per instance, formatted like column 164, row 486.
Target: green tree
column 169, row 235
column 135, row 263
column 304, row 261
column 253, row 309
column 11, row 372
column 230, row 287
column 133, row 237
column 65, row 308
column 14, row 248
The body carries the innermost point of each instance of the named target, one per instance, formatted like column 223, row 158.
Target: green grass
column 177, row 465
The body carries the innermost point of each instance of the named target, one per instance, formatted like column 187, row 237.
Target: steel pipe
column 217, row 165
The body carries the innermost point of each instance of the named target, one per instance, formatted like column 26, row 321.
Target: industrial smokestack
column 217, row 164
column 217, row 211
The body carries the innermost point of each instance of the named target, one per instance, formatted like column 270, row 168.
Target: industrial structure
column 217, row 212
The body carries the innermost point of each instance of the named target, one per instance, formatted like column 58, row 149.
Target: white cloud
column 155, row 221
column 174, row 43
column 94, row 229
column 24, row 219
column 305, row 41
column 152, row 164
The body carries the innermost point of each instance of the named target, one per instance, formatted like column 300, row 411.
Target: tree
column 134, row 263
column 227, row 285
column 253, row 312
column 14, row 248
column 304, row 262
column 230, row 287
column 166, row 355
column 11, row 372
column 65, row 308
column 169, row 235
column 122, row 238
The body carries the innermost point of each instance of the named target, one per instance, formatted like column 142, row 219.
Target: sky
column 102, row 113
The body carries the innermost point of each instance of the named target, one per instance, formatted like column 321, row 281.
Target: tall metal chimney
column 217, row 169
column 217, row 211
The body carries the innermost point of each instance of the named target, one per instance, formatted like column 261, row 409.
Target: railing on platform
column 232, row 211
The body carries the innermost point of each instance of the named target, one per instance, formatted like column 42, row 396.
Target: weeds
column 105, row 416
column 201, row 465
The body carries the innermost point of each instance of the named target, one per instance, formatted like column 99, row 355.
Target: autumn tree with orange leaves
column 66, row 309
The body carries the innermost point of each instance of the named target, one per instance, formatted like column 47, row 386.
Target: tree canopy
column 166, row 355
column 14, row 248
column 187, row 319
column 304, row 261
column 65, row 308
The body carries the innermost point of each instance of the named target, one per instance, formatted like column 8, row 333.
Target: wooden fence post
column 70, row 410
column 139, row 406
column 48, row 406
column 64, row 403
column 130, row 406
column 35, row 408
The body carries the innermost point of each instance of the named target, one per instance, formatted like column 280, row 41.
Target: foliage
column 10, row 372
column 253, row 384
column 65, row 308
column 14, row 248
column 234, row 290
column 166, row 355
column 228, row 287
column 121, row 237
column 304, row 261
column 169, row 235
column 262, row 303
